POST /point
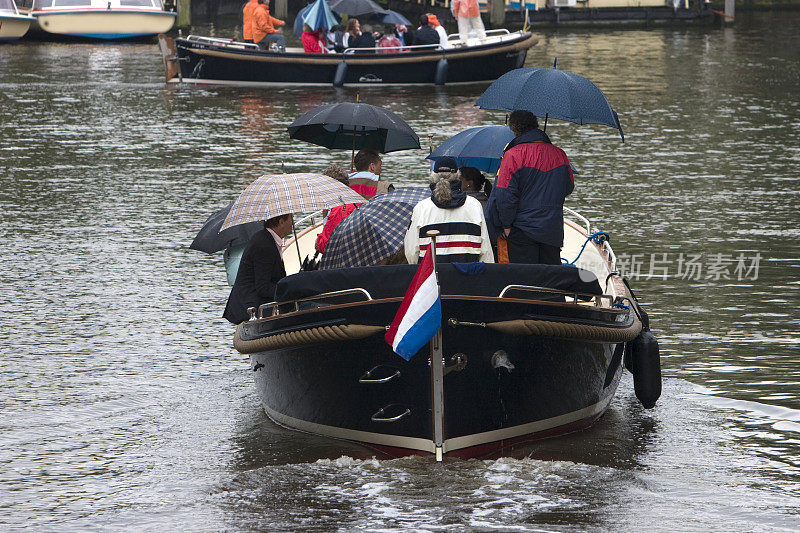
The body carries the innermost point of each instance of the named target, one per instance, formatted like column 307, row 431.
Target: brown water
column 125, row 407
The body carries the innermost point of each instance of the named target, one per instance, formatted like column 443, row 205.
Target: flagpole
column 437, row 369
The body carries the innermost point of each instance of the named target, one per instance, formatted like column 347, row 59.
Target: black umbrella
column 355, row 126
column 355, row 8
column 209, row 239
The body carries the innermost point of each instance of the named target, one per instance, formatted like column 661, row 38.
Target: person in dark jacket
column 359, row 39
column 425, row 34
column 527, row 200
column 260, row 269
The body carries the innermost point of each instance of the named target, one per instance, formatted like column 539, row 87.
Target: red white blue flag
column 420, row 314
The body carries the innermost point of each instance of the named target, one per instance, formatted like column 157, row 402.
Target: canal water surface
column 123, row 405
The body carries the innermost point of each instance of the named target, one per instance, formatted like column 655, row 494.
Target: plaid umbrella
column 272, row 196
column 374, row 231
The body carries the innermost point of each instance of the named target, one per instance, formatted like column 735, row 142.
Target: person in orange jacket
column 247, row 20
column 468, row 15
column 264, row 28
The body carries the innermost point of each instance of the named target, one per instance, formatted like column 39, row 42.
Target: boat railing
column 376, row 49
column 598, row 300
column 308, row 218
column 222, row 42
column 498, row 31
column 589, row 231
column 274, row 307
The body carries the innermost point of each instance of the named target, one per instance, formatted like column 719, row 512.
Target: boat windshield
column 139, row 3
column 7, row 5
column 70, row 3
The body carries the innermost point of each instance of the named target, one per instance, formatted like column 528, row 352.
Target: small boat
column 524, row 351
column 13, row 24
column 102, row 19
column 207, row 60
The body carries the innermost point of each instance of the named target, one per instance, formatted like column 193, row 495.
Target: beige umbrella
column 272, row 196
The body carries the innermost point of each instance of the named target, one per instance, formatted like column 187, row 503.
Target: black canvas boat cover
column 392, row 281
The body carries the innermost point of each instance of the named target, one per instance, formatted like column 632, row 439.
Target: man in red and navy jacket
column 526, row 204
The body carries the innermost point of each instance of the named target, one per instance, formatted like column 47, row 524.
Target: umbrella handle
column 353, row 153
column 297, row 245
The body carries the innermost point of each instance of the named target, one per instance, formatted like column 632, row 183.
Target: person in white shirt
column 463, row 236
column 440, row 30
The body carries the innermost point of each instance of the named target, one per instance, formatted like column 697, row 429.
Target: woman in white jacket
column 463, row 237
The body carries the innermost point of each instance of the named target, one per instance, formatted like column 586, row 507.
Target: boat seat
column 393, row 281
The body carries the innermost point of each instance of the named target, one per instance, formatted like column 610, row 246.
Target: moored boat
column 527, row 351
column 102, row 19
column 13, row 24
column 206, row 60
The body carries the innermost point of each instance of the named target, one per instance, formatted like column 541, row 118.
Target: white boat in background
column 103, row 19
column 13, row 25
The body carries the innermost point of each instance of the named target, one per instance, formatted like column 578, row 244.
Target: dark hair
column 423, row 20
column 364, row 158
column 522, row 122
column 274, row 221
column 476, row 176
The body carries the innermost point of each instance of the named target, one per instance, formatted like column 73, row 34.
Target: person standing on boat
column 468, row 16
column 266, row 28
column 366, row 180
column 527, row 200
column 260, row 269
column 248, row 12
column 463, row 236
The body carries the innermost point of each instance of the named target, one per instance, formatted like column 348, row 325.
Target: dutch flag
column 420, row 314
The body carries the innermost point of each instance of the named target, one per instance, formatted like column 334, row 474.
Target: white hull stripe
column 449, row 445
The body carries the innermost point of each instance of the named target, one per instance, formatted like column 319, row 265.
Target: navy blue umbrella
column 391, row 17
column 480, row 147
column 550, row 93
column 374, row 231
column 209, row 239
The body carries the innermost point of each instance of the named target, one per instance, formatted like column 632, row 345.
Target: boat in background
column 13, row 24
column 208, row 60
column 101, row 19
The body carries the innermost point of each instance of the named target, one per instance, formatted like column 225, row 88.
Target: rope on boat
column 596, row 237
column 547, row 328
column 304, row 336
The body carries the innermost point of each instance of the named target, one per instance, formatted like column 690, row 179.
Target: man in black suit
column 260, row 269
column 425, row 33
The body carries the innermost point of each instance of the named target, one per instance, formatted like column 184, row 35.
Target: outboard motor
column 642, row 359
